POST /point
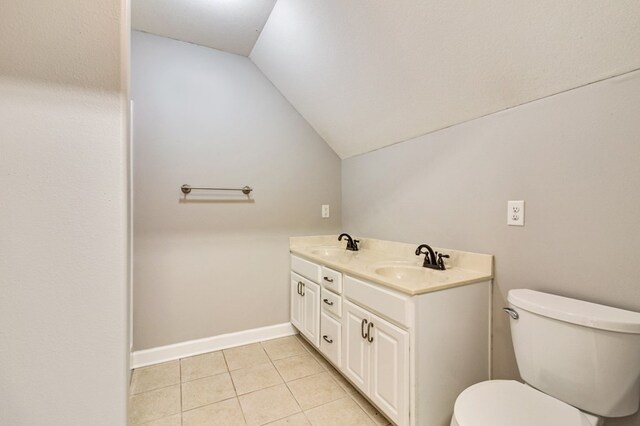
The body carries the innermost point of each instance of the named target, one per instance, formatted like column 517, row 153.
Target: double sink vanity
column 409, row 335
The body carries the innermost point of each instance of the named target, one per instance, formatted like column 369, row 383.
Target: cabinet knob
column 326, row 339
column 327, row 302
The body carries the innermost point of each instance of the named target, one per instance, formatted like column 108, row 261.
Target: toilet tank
column 582, row 353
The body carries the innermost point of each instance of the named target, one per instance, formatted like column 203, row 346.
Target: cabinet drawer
column 331, row 302
column 305, row 268
column 331, row 339
column 332, row 280
column 388, row 303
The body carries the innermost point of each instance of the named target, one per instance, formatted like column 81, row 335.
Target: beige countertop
column 392, row 264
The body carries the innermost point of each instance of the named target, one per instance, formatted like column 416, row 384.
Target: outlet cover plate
column 515, row 213
column 325, row 211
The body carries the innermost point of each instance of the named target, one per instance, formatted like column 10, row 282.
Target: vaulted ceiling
column 370, row 73
column 229, row 25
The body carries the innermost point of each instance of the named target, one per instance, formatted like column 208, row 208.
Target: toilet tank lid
column 576, row 311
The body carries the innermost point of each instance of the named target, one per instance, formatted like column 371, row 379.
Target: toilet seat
column 508, row 403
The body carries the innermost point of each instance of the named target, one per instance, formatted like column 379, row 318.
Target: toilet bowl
column 511, row 403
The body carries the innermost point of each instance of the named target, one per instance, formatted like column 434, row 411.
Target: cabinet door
column 355, row 349
column 311, row 312
column 296, row 303
column 389, row 370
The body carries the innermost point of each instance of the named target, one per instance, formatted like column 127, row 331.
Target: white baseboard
column 209, row 344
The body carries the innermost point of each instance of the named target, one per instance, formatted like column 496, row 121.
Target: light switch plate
column 325, row 211
column 515, row 213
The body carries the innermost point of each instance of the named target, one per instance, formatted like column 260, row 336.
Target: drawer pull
column 327, row 302
column 326, row 339
column 364, row 322
column 369, row 336
column 329, row 280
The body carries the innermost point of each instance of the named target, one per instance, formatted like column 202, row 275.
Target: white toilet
column 580, row 361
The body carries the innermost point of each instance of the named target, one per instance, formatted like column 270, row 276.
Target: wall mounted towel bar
column 186, row 189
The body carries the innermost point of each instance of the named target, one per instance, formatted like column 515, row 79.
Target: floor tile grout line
column 268, row 387
column 291, row 356
column 365, row 411
column 288, row 388
column 206, row 375
column 348, row 394
column 154, row 389
column 206, row 405
column 180, row 367
column 155, row 420
column 326, row 403
column 244, row 417
column 254, row 365
column 284, row 357
column 308, row 350
column 310, row 374
column 235, row 390
column 306, row 417
column 305, row 376
column 169, row 415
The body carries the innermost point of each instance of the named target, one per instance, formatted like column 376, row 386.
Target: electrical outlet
column 325, row 211
column 515, row 213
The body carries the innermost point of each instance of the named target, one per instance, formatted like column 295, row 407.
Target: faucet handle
column 440, row 259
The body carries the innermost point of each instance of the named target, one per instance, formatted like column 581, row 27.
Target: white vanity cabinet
column 410, row 354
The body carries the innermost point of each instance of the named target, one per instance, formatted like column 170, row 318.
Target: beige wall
column 63, row 227
column 206, row 117
column 574, row 158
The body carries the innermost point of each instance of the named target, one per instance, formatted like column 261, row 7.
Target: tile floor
column 276, row 382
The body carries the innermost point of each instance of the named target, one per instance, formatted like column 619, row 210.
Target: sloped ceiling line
column 229, row 25
column 371, row 73
column 368, row 74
